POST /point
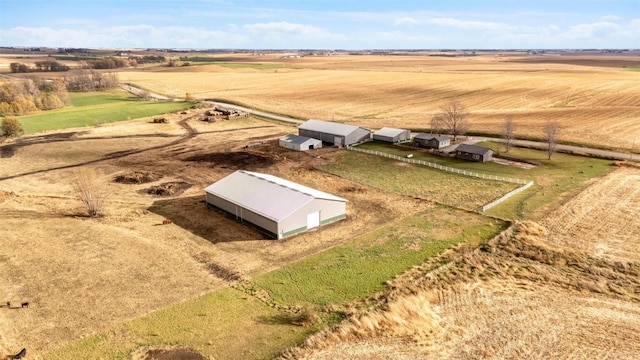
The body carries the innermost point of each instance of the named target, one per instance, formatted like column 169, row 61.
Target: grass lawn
column 417, row 180
column 359, row 268
column 89, row 109
column 225, row 324
column 555, row 180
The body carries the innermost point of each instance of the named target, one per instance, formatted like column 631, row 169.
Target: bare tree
column 551, row 130
column 453, row 118
column 436, row 124
column 92, row 191
column 508, row 132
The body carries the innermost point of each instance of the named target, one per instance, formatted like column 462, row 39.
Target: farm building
column 333, row 133
column 300, row 143
column 431, row 141
column 474, row 153
column 274, row 206
column 392, row 135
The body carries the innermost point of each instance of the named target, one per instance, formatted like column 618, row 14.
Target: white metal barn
column 300, row 143
column 392, row 135
column 334, row 133
column 276, row 207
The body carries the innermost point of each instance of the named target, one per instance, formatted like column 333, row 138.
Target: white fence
column 441, row 167
column 506, row 196
column 526, row 184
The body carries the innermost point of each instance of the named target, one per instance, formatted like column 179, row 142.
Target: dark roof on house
column 425, row 136
column 472, row 149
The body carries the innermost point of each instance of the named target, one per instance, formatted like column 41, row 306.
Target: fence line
column 441, row 167
column 506, row 196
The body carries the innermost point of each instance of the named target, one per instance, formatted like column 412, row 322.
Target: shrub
column 11, row 127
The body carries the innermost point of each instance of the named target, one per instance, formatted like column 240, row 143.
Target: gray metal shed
column 392, row 135
column 300, row 143
column 274, row 206
column 431, row 141
column 333, row 133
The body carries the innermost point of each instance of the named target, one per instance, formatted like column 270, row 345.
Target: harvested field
column 407, row 91
column 603, row 218
column 513, row 298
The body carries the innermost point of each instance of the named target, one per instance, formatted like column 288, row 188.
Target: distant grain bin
column 299, row 143
column 333, row 133
column 274, row 206
column 392, row 135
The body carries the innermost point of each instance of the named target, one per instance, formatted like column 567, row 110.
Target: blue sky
column 330, row 24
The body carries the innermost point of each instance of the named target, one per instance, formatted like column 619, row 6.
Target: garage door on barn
column 313, row 220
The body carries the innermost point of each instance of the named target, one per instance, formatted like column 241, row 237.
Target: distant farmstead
column 299, row 143
column 333, row 133
column 392, row 135
column 474, row 153
column 274, row 206
column 431, row 141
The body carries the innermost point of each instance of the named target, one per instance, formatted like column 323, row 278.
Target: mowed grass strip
column 89, row 109
column 360, row 268
column 225, row 324
column 420, row 181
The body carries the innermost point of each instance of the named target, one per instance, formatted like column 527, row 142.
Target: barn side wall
column 324, row 137
column 357, row 136
column 268, row 226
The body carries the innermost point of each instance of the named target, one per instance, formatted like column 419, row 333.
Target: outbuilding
column 272, row 205
column 392, row 135
column 333, row 133
column 431, row 141
column 299, row 143
column 474, row 153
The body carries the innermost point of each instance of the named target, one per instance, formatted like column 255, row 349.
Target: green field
column 217, row 324
column 89, row 109
column 555, row 180
column 416, row 180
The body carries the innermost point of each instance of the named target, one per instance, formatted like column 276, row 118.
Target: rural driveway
column 471, row 140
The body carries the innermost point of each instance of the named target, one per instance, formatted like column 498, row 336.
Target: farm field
column 414, row 271
column 407, row 91
column 88, row 109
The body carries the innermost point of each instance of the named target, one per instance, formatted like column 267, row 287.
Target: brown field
column 595, row 98
column 602, row 219
column 570, row 290
column 82, row 275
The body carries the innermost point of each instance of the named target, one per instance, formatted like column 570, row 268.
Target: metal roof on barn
column 296, row 139
column 267, row 195
column 328, row 127
column 390, row 132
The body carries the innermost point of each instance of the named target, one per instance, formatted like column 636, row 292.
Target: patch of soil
column 353, row 189
column 235, row 159
column 7, row 151
column 137, row 177
column 173, row 354
column 169, row 188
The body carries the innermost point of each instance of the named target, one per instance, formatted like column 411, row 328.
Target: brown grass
column 515, row 297
column 594, row 103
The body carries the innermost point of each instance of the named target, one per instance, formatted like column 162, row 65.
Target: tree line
column 20, row 97
column 39, row 66
column 108, row 62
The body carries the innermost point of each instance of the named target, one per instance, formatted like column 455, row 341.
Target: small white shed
column 299, row 143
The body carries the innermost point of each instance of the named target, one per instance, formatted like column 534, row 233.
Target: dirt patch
column 172, row 354
column 137, row 177
column 235, row 160
column 7, row 151
column 169, row 188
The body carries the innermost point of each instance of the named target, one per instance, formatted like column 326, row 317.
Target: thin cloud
column 470, row 24
column 406, row 20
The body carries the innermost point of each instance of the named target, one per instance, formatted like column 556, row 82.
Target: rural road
column 579, row 150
